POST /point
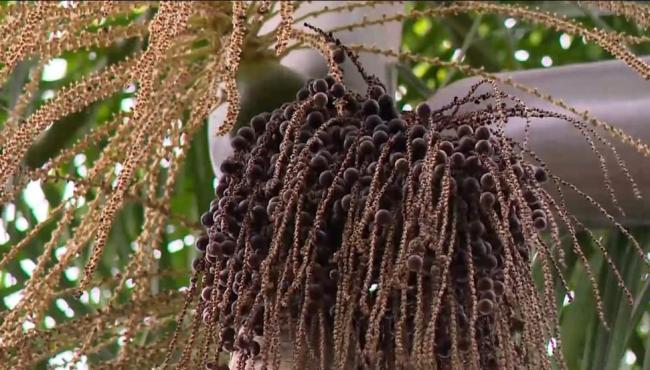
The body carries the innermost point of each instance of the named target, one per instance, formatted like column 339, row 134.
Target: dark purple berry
column 337, row 90
column 315, row 119
column 201, row 243
column 540, row 175
column 483, row 147
column 351, row 175
column 338, row 55
column 320, row 99
column 457, row 160
column 464, row 130
column 423, row 110
column 370, row 107
column 383, row 217
column 414, row 263
column 207, row 219
column 487, row 201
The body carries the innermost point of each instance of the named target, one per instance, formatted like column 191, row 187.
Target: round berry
column 302, row 94
column 338, row 55
column 376, row 91
column 483, row 147
column 201, row 243
column 457, row 160
column 487, row 182
column 325, row 178
column 337, row 90
column 441, row 156
column 402, row 165
column 538, row 213
column 247, row 132
column 447, row 147
column 370, row 107
column 471, row 185
column 483, row 133
column 484, row 283
column 315, row 119
column 466, row 143
column 423, row 110
column 320, row 99
column 351, row 175
column 485, row 306
column 464, row 130
column 540, row 175
column 476, row 228
column 487, row 201
column 239, row 143
column 414, row 263
column 206, row 293
column 379, row 137
column 540, row 223
column 499, row 288
column 319, row 85
column 318, row 162
column 383, row 217
column 207, row 219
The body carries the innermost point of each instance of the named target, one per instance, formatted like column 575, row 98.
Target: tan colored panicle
column 169, row 21
column 284, row 29
column 233, row 57
column 638, row 13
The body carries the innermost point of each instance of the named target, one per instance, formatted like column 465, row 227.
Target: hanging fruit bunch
column 371, row 238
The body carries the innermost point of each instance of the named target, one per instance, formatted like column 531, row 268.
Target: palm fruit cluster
column 372, row 238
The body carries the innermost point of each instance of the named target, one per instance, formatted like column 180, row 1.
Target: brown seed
column 366, row 147
column 457, row 160
column 483, row 133
column 383, row 217
column 483, row 147
column 540, row 175
column 414, row 263
column 338, row 55
column 201, row 243
column 466, row 143
column 487, row 182
column 401, row 165
column 423, row 110
column 351, row 175
column 318, row 162
column 441, row 156
column 206, row 293
column 464, row 130
column 476, row 228
column 484, row 283
column 485, row 306
column 337, row 90
column 320, row 99
column 447, row 147
column 471, row 185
